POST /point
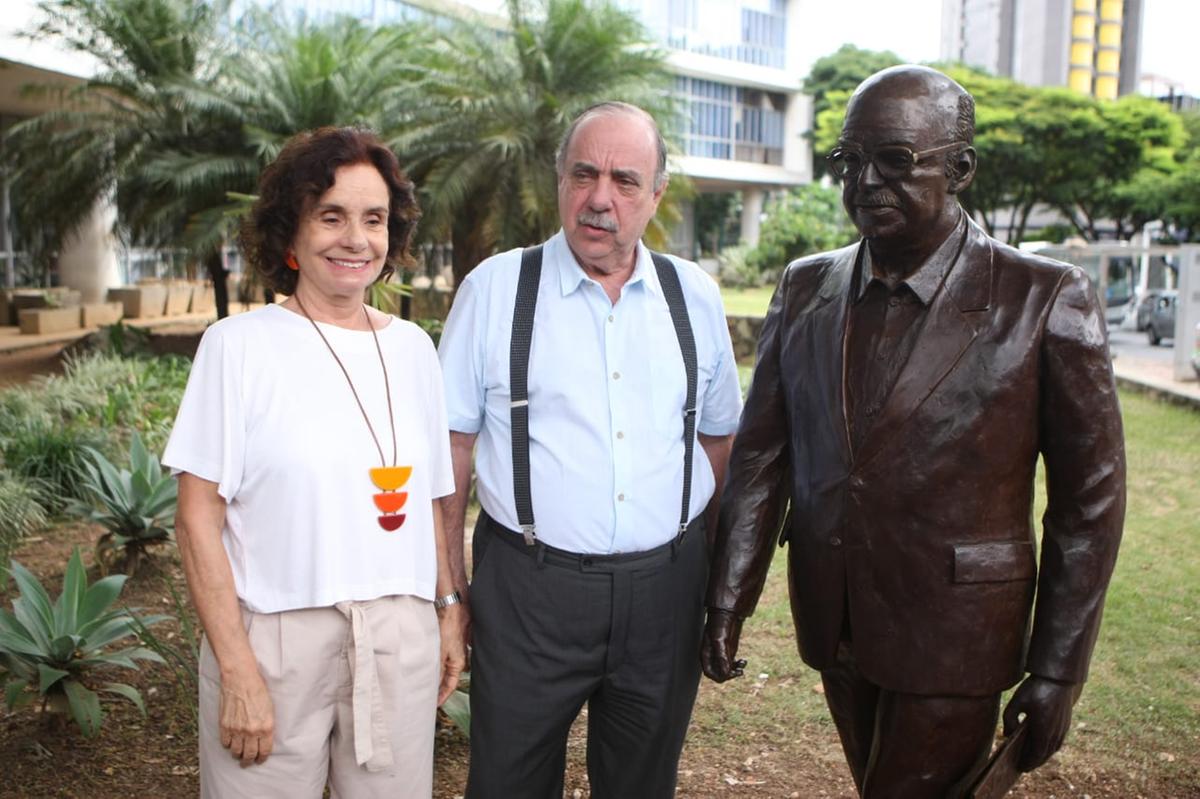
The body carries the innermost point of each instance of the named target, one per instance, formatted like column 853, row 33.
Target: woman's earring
column 290, row 260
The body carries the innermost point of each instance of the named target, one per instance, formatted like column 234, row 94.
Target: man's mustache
column 877, row 199
column 602, row 221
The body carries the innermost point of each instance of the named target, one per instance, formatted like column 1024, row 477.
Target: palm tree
column 180, row 121
column 478, row 130
column 67, row 161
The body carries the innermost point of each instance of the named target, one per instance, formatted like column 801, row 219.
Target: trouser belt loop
column 540, row 554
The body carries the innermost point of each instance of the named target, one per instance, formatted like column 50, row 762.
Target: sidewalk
column 11, row 339
column 1157, row 379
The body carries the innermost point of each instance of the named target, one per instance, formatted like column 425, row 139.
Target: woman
column 312, row 449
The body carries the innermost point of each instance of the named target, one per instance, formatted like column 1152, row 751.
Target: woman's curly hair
column 304, row 170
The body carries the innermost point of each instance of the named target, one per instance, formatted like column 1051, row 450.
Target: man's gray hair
column 614, row 107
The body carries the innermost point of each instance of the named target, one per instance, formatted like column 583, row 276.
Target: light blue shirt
column 606, row 394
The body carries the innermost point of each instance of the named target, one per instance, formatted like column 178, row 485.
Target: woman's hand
column 452, row 624
column 247, row 716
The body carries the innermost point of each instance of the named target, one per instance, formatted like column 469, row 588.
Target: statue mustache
column 877, row 199
column 597, row 220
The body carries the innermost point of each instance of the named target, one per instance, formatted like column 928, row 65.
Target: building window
column 731, row 123
column 750, row 31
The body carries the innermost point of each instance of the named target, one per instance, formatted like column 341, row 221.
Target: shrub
column 51, row 454
column 137, row 508
column 22, row 510
column 54, row 651
column 805, row 220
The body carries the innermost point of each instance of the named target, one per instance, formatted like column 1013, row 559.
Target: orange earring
column 291, row 261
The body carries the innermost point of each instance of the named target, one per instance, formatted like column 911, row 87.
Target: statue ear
column 960, row 169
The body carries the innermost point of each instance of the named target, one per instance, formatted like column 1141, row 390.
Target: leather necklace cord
column 386, row 383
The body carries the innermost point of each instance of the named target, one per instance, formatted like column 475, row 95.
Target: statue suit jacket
column 925, row 535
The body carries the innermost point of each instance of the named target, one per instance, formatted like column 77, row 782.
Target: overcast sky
column 912, row 30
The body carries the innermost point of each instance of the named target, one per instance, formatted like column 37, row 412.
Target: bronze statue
column 904, row 389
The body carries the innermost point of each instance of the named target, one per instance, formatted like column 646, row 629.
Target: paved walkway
column 12, row 340
column 1158, row 378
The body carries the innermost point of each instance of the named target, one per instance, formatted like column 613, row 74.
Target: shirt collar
column 571, row 275
column 924, row 282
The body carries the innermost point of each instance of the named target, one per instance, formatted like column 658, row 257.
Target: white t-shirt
column 269, row 417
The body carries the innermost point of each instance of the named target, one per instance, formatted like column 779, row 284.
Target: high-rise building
column 1092, row 46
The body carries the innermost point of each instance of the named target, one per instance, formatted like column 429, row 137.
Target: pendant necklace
column 388, row 479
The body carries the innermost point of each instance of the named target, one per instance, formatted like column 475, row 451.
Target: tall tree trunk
column 217, row 274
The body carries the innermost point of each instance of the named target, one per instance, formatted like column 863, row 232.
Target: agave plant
column 55, row 650
column 136, row 507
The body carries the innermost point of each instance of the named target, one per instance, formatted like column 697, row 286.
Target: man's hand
column 1046, row 705
column 247, row 716
column 720, row 645
column 452, row 624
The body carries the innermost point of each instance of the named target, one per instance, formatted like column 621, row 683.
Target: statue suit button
column 835, row 541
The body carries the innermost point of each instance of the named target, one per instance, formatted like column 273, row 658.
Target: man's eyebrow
column 585, row 166
column 627, row 174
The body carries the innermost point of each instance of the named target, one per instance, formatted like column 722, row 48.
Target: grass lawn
column 747, row 302
column 1139, row 716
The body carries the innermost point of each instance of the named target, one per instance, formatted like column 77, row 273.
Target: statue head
column 904, row 153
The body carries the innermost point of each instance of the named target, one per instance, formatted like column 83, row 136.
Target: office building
column 1092, row 46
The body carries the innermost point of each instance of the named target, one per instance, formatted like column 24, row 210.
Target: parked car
column 1162, row 318
column 1145, row 307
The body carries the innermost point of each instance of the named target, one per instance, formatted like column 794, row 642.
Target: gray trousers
column 553, row 631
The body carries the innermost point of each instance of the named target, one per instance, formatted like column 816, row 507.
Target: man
column 584, row 385
column 905, row 387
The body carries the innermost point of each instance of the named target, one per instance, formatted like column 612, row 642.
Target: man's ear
column 960, row 169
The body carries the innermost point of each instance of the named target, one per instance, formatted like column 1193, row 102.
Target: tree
column 833, row 77
column 178, row 126
column 1181, row 191
column 480, row 128
column 69, row 160
column 807, row 219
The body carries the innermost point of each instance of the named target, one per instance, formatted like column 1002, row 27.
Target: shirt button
column 620, row 497
column 611, row 318
column 835, row 541
column 893, row 302
column 620, row 434
column 616, row 375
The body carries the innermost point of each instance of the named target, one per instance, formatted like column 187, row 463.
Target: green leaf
column 63, row 647
column 138, row 455
column 74, row 585
column 11, row 642
column 85, row 707
column 458, row 707
column 37, row 601
column 48, row 676
column 16, row 696
column 33, row 624
column 99, row 597
column 127, row 691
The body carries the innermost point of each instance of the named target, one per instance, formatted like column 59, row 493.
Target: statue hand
column 719, row 646
column 1046, row 705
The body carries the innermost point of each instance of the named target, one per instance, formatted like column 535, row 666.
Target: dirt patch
column 18, row 366
column 155, row 756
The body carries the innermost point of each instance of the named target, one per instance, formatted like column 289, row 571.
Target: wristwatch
column 446, row 601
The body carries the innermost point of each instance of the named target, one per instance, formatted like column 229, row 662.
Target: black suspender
column 518, row 380
column 668, row 278
column 518, row 375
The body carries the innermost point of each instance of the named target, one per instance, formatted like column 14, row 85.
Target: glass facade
column 732, row 123
column 749, row 31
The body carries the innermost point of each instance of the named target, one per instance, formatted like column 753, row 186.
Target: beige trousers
column 355, row 692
